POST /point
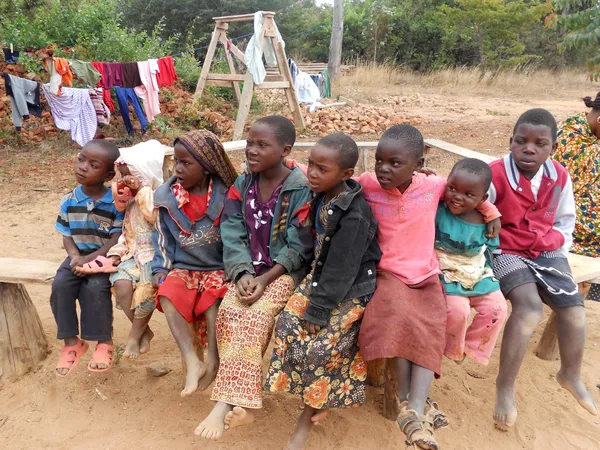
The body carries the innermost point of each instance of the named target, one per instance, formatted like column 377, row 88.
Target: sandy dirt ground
column 125, row 408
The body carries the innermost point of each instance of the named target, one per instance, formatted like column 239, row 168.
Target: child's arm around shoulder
column 236, row 256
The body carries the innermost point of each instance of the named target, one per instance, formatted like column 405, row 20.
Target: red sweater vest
column 527, row 223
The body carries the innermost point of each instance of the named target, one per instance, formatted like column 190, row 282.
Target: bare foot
column 213, row 426
column 145, row 340
column 578, row 390
column 132, row 349
column 238, row 416
column 505, row 414
column 210, row 374
column 319, row 416
column 195, row 371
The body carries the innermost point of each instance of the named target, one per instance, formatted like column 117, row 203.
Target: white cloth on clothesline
column 74, row 111
column 306, row 89
column 254, row 51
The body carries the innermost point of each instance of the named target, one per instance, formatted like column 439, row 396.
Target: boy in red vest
column 535, row 196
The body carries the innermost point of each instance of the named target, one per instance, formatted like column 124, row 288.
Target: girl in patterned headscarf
column 188, row 262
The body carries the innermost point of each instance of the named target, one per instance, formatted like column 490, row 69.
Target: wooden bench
column 23, row 344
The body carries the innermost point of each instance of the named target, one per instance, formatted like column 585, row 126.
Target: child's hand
column 290, row 163
column 312, row 328
column 157, row 279
column 254, row 291
column 116, row 260
column 132, row 183
column 493, row 228
column 427, row 171
column 242, row 285
column 77, row 263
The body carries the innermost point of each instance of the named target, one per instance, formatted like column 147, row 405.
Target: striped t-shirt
column 90, row 223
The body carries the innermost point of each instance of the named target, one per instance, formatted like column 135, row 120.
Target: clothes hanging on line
column 11, row 57
column 306, row 89
column 55, row 83
column 293, row 69
column 131, row 75
column 73, row 110
column 106, row 97
column 148, row 92
column 113, row 74
column 102, row 111
column 85, row 71
column 166, row 71
column 24, row 98
column 255, row 50
column 62, row 67
column 124, row 96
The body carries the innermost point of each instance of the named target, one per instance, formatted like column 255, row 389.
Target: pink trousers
column 478, row 340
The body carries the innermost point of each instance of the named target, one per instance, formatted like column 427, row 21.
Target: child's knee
column 458, row 308
column 573, row 315
column 527, row 304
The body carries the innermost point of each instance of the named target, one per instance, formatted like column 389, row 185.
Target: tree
column 581, row 19
column 492, row 26
column 337, row 34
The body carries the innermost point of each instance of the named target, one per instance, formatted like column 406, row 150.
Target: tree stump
column 547, row 348
column 23, row 344
column 376, row 372
column 391, row 405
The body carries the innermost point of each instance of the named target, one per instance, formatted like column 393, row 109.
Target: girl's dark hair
column 595, row 104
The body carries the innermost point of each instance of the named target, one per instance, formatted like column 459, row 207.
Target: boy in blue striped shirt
column 90, row 225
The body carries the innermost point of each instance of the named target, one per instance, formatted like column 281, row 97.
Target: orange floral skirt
column 243, row 335
column 326, row 369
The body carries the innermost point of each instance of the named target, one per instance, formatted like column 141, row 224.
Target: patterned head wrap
column 207, row 149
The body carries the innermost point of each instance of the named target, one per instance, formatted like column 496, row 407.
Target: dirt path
column 125, row 408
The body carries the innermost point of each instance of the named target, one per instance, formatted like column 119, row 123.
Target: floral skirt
column 142, row 302
column 243, row 335
column 326, row 369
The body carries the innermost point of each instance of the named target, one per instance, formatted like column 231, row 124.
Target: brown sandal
column 417, row 428
column 438, row 417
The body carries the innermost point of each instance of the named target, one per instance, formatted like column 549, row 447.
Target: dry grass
column 368, row 81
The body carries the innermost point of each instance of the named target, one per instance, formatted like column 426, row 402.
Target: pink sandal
column 102, row 355
column 70, row 356
column 101, row 264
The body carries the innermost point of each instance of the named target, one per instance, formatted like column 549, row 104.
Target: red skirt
column 192, row 292
column 403, row 321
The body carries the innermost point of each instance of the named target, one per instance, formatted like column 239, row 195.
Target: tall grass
column 368, row 81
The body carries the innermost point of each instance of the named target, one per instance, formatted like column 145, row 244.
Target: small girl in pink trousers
column 464, row 252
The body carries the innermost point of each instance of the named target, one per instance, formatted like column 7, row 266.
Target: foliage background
column 421, row 35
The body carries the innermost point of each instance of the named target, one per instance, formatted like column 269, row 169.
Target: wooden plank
column 219, row 83
column 584, row 268
column 210, row 53
column 455, row 149
column 16, row 270
column 244, row 107
column 242, row 17
column 236, row 52
column 236, row 86
column 274, row 85
column 226, row 77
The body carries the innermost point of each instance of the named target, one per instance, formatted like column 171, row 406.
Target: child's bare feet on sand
column 145, row 340
column 238, row 416
column 505, row 414
column 209, row 376
column 578, row 390
column 214, row 425
column 195, row 371
column 132, row 349
column 319, row 416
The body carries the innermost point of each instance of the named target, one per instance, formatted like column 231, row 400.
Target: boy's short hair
column 410, row 137
column 284, row 129
column 345, row 146
column 538, row 116
column 477, row 167
column 110, row 149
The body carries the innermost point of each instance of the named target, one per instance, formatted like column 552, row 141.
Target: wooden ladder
column 282, row 80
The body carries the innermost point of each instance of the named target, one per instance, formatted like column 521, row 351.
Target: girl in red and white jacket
column 535, row 197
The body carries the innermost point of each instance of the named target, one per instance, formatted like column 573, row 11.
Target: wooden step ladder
column 281, row 80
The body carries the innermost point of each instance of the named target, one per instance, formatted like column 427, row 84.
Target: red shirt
column 166, row 75
column 195, row 209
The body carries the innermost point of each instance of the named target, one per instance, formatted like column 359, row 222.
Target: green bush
column 188, row 70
